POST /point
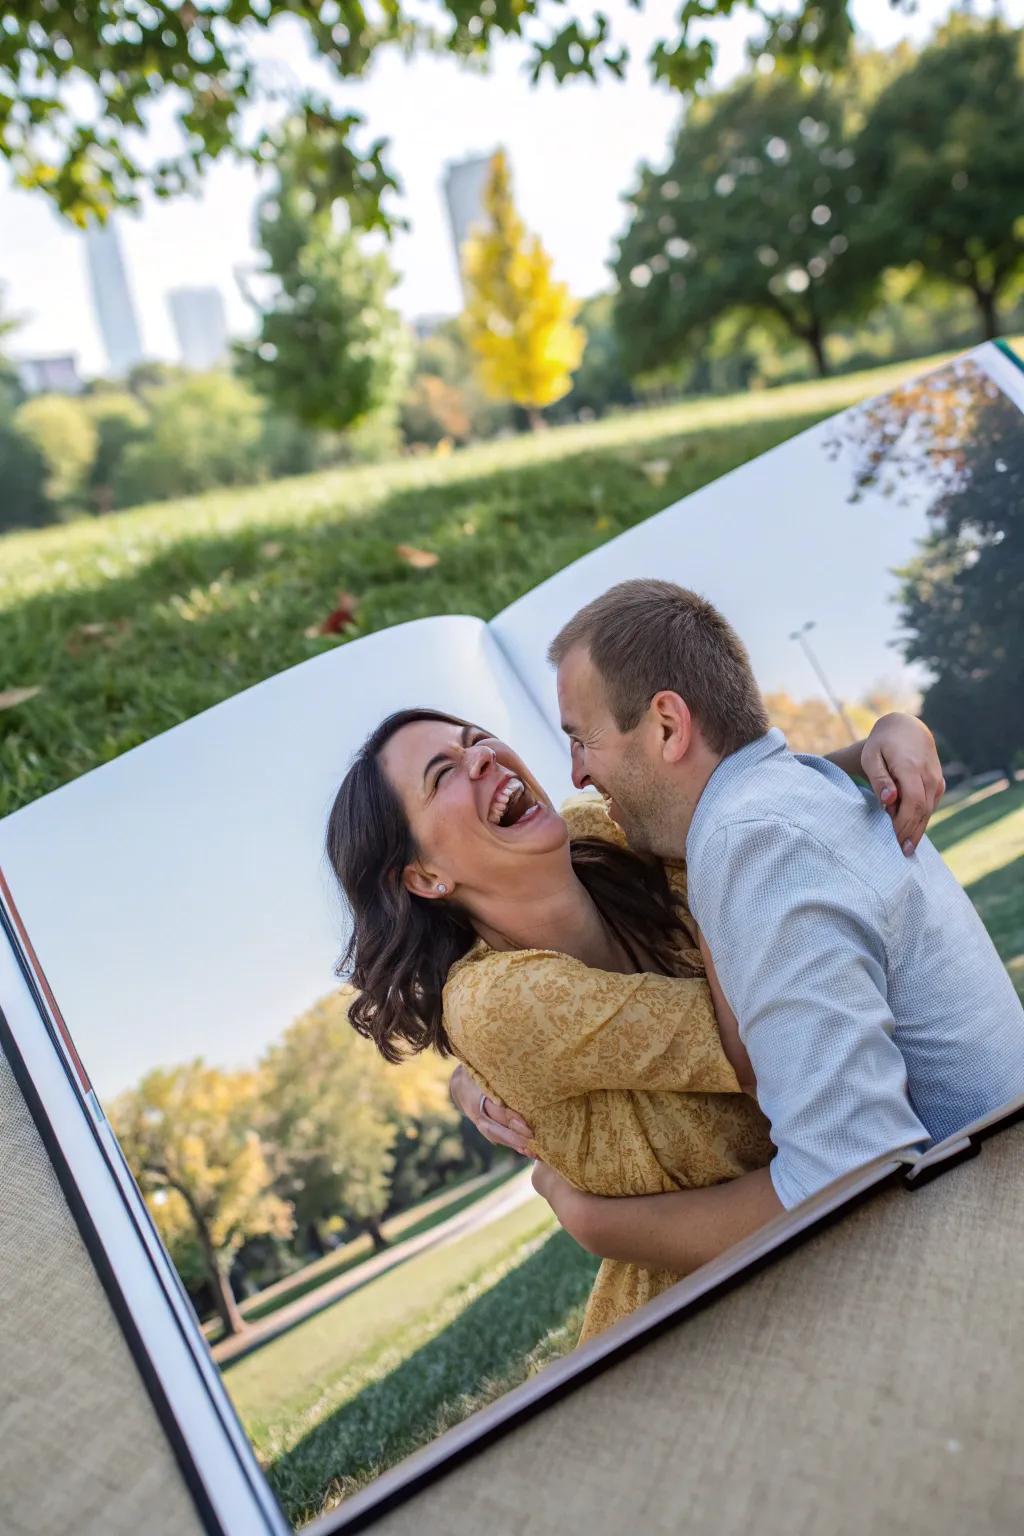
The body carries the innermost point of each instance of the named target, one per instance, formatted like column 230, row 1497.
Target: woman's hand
column 901, row 763
column 498, row 1124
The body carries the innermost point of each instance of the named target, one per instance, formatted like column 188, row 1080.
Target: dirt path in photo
column 514, row 1192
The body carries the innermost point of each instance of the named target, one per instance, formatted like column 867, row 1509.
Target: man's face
column 623, row 766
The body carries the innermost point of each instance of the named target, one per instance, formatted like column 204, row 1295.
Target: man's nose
column 580, row 777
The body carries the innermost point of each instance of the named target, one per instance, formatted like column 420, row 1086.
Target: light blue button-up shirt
column 875, row 1010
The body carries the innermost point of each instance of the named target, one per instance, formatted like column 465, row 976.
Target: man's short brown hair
column 646, row 636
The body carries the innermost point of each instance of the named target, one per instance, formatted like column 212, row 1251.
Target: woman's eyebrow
column 442, row 757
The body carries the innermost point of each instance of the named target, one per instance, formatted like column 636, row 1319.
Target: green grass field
column 131, row 623
column 348, row 1393
column 982, row 841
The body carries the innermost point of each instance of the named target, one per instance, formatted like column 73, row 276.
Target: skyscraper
column 111, row 297
column 464, row 183
column 200, row 326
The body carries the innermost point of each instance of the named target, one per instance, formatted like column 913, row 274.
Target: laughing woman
column 562, row 970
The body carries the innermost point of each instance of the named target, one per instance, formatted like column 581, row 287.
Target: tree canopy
column 330, row 351
column 78, row 81
column 943, row 151
column 519, row 321
column 191, row 1139
column 754, row 212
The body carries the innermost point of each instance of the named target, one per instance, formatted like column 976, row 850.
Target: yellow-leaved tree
column 191, row 1139
column 518, row 321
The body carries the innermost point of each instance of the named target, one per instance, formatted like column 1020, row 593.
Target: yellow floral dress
column 621, row 1077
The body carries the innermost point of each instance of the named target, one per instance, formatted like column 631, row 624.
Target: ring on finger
column 483, row 1106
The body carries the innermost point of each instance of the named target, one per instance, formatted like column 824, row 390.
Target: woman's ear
column 420, row 882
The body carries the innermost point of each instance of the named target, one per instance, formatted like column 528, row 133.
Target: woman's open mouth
column 513, row 804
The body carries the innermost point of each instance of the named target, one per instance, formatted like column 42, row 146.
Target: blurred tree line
column 251, row 1174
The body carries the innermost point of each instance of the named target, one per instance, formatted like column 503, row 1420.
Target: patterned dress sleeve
column 542, row 1027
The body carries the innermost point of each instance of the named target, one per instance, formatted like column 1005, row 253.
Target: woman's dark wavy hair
column 402, row 947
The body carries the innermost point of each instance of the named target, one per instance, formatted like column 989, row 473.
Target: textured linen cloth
column 873, row 1005
column 622, row 1078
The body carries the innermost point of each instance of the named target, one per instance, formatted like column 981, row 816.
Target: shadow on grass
column 199, row 617
column 482, row 1354
column 969, row 819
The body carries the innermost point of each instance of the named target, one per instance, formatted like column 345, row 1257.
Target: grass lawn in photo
column 340, row 1398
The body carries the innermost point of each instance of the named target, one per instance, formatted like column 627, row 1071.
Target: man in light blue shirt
column 873, row 1006
column 870, row 999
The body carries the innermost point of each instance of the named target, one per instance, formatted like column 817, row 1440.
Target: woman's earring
column 442, row 890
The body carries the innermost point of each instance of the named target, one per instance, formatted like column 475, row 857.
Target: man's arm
column 901, row 763
column 678, row 1232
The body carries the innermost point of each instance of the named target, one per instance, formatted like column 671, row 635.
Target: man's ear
column 674, row 724
column 420, row 882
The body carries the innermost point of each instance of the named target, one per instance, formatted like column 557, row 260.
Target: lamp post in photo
column 800, row 635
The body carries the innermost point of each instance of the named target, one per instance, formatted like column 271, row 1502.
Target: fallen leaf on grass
column 9, row 697
column 338, row 619
column 657, row 470
column 100, row 633
column 419, row 559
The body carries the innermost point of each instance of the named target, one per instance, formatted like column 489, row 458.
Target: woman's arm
column 901, row 763
column 539, row 1027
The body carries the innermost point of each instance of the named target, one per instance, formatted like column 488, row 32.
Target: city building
column 49, row 375
column 423, row 326
column 464, row 182
column 200, row 325
column 112, row 299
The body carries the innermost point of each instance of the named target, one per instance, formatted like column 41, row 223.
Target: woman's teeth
column 500, row 803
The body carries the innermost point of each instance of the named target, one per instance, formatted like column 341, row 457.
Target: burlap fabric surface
column 81, row 1448
column 870, row 1382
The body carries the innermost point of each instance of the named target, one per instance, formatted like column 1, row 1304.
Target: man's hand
column 901, row 763
column 568, row 1203
column 495, row 1121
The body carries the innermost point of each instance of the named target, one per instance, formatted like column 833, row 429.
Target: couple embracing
column 699, row 998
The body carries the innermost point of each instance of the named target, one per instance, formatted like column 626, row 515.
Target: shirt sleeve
column 542, row 1027
column 798, row 943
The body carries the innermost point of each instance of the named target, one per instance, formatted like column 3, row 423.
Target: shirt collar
column 729, row 772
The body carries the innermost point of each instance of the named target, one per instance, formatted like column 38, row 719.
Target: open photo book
column 168, row 921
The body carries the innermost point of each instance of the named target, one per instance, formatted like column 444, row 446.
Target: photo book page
column 367, row 1279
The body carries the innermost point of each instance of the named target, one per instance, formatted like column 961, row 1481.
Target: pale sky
column 574, row 151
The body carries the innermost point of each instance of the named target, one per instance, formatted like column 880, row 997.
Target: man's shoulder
column 806, row 794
